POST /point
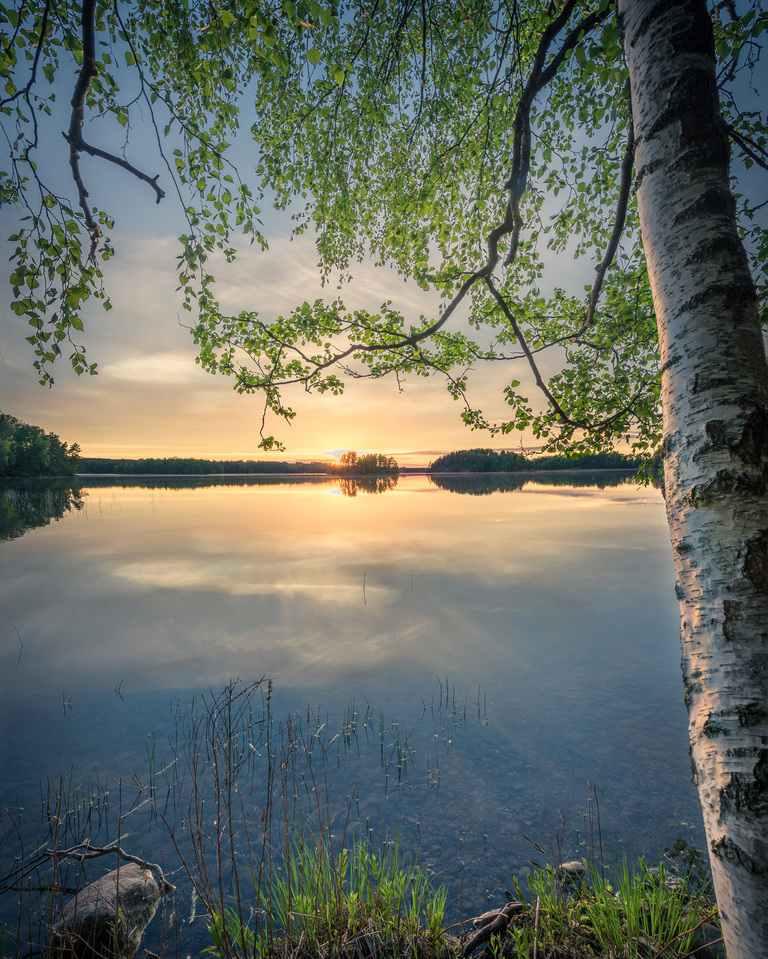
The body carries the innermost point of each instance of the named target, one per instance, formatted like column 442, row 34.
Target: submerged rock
column 571, row 870
column 107, row 918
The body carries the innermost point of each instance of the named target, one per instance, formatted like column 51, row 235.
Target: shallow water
column 519, row 646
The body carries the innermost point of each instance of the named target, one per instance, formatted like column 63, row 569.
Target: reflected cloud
column 565, row 616
column 189, row 587
column 238, row 578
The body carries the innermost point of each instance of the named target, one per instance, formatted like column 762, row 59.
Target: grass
column 631, row 913
column 356, row 904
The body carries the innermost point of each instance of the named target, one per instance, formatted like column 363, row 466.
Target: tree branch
column 81, row 852
column 625, row 187
column 74, row 136
column 748, row 146
column 24, row 92
column 561, row 414
column 83, row 147
column 539, row 77
column 84, row 78
column 529, row 355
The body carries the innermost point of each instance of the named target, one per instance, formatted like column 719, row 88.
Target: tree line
column 350, row 463
column 493, row 461
column 29, row 451
column 193, row 466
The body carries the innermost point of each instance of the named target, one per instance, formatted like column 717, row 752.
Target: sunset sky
column 151, row 399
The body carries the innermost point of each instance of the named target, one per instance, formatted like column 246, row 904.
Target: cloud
column 168, row 369
column 275, row 281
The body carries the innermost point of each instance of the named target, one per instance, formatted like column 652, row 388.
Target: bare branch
column 84, row 147
column 539, row 77
column 84, row 78
column 625, row 187
column 80, row 852
column 511, row 319
column 85, row 850
column 74, row 135
column 571, row 423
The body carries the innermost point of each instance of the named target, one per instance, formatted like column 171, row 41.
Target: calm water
column 522, row 638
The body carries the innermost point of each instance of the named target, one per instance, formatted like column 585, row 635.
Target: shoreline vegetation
column 28, row 503
column 264, row 864
column 353, row 464
column 28, row 451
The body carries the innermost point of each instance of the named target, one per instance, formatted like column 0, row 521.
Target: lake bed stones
column 107, row 918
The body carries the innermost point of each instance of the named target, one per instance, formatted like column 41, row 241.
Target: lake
column 494, row 649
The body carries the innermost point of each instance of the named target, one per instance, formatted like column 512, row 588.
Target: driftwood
column 493, row 923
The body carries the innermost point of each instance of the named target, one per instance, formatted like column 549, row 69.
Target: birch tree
column 471, row 146
column 715, row 414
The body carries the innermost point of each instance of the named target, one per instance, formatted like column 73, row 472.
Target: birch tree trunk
column 715, row 407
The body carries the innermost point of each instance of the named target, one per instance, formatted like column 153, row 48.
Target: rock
column 106, row 921
column 670, row 879
column 571, row 870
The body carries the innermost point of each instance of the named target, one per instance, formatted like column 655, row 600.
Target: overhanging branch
column 625, row 188
column 74, row 136
column 749, row 147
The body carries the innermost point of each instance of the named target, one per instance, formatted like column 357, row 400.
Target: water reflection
column 205, row 482
column 556, row 603
column 26, row 505
column 352, row 485
column 483, row 484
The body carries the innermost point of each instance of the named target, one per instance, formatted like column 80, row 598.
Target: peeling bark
column 715, row 406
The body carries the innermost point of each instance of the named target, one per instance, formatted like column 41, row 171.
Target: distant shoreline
column 409, row 470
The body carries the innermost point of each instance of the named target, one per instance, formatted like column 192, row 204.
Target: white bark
column 715, row 406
